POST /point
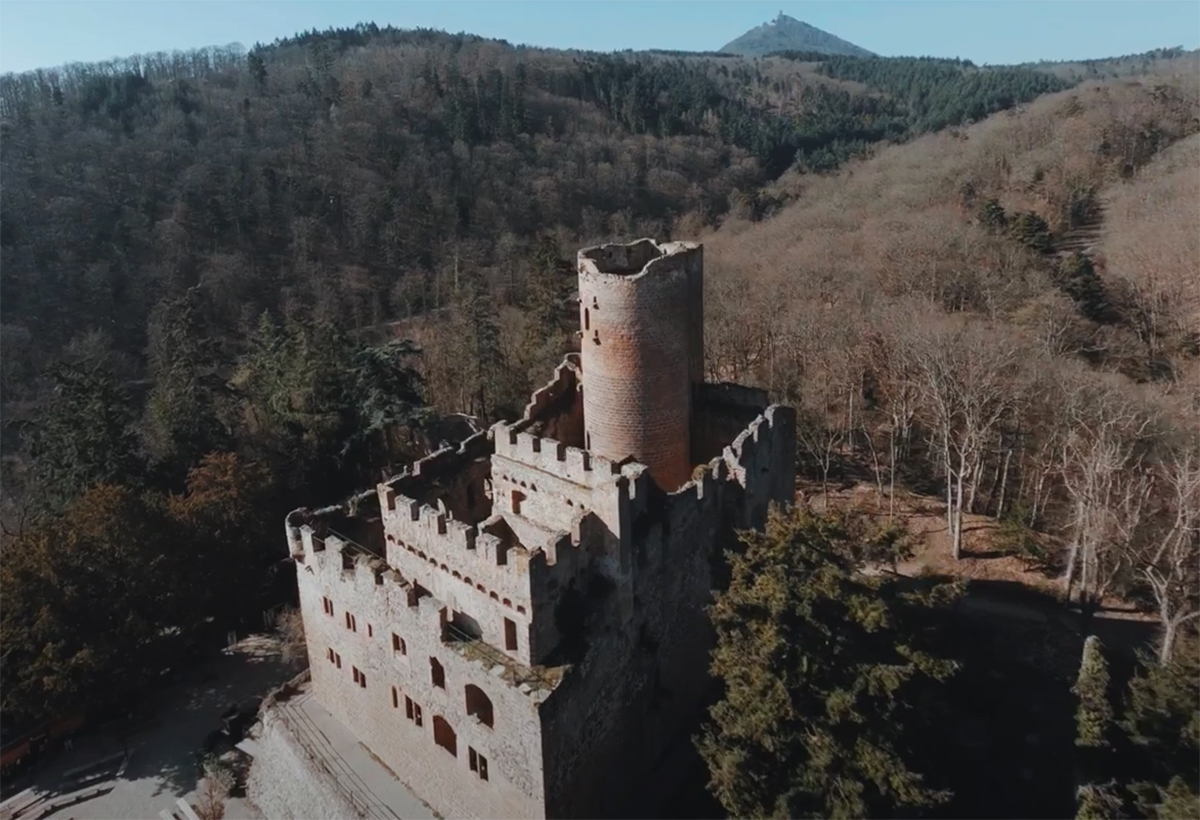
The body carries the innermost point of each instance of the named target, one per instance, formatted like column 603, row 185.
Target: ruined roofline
column 634, row 260
column 440, row 463
column 577, row 465
column 567, row 377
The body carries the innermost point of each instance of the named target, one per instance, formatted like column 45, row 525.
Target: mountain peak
column 786, row 33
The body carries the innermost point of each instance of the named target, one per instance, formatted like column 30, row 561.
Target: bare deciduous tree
column 1170, row 562
column 291, row 633
column 1108, row 481
column 966, row 376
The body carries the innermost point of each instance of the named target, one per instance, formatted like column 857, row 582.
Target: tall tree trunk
column 949, row 481
column 892, row 474
column 958, row 507
column 1003, row 484
column 1068, row 577
column 1169, row 625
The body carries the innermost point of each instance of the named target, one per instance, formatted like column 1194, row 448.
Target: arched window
column 444, row 736
column 480, row 705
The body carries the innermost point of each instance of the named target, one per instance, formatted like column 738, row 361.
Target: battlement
column 443, row 542
column 341, row 563
column 439, row 465
column 742, row 451
column 569, row 463
column 564, row 550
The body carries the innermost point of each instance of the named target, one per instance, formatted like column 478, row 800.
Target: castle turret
column 642, row 352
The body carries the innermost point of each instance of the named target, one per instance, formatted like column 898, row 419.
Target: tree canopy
column 830, row 679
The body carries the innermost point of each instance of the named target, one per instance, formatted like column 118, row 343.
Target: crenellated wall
column 562, row 564
column 384, row 604
column 618, row 716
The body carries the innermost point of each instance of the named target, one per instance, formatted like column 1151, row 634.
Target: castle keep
column 515, row 626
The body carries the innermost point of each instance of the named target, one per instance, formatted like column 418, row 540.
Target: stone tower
column 641, row 319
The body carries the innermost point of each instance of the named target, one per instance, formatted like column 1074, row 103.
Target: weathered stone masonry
column 516, row 625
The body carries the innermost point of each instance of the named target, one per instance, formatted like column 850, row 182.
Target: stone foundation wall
column 285, row 784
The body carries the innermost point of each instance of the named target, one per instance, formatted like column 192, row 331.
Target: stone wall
column 644, row 679
column 383, row 605
column 636, row 353
column 285, row 784
column 720, row 413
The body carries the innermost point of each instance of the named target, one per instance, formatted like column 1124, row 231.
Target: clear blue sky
column 45, row 33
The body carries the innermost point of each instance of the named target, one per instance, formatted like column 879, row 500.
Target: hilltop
column 789, row 34
column 229, row 233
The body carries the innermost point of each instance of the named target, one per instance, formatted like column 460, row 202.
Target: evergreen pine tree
column 1093, row 718
column 828, row 678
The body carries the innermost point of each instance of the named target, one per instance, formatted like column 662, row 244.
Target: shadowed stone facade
column 516, row 625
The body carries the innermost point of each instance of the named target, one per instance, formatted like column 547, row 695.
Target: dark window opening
column 465, row 625
column 517, row 498
column 444, row 736
column 479, row 705
column 510, row 635
column 478, row 763
column 436, row 673
column 395, row 698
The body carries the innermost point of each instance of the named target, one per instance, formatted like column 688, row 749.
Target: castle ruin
column 516, row 626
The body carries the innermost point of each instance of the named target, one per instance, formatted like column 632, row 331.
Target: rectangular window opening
column 510, row 635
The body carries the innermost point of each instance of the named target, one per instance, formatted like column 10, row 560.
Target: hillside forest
column 236, row 283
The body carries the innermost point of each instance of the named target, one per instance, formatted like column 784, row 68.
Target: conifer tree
column 1093, row 718
column 828, row 677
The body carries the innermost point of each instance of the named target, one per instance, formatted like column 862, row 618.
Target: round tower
column 642, row 349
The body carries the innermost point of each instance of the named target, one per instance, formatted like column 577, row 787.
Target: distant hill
column 789, row 34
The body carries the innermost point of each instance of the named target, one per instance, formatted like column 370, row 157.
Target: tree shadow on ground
column 1009, row 749
column 167, row 730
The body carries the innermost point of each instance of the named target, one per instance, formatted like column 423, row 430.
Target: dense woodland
column 238, row 283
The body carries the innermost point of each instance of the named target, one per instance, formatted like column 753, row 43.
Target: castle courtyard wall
column 512, row 746
column 611, row 723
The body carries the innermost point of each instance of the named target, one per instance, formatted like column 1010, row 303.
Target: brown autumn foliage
column 852, row 301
